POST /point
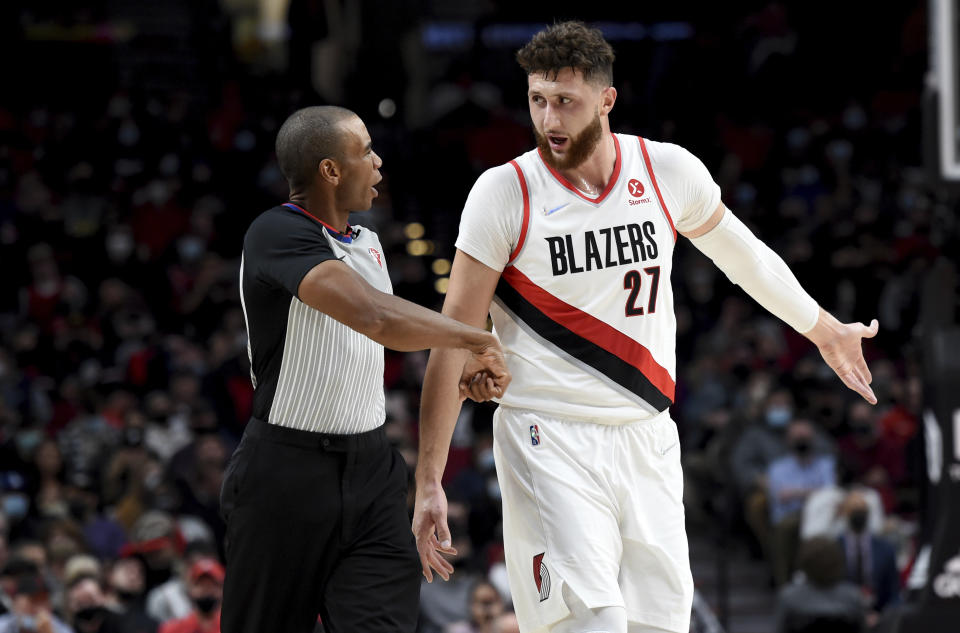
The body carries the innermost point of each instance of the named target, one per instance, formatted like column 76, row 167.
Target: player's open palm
column 841, row 348
column 431, row 531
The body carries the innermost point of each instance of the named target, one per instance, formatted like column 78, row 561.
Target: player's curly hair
column 570, row 44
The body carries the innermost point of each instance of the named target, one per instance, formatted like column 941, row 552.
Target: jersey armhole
column 656, row 187
column 526, row 213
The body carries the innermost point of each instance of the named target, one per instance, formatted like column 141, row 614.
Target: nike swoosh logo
column 667, row 449
column 341, row 258
column 555, row 209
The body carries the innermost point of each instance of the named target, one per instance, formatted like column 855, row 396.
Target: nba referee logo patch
column 541, row 576
column 534, row 435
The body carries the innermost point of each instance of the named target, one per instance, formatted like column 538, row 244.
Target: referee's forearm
column 406, row 327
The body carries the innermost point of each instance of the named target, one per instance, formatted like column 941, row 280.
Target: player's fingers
column 443, row 534
column 424, row 563
column 865, row 371
column 441, row 566
column 871, row 330
column 855, row 382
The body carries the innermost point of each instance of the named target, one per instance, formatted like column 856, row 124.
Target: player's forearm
column 439, row 409
column 405, row 326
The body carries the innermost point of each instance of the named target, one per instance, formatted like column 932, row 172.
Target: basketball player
column 569, row 249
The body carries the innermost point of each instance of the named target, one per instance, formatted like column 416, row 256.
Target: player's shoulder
column 669, row 156
column 504, row 175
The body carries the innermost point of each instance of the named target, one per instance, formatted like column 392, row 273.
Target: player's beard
column 581, row 146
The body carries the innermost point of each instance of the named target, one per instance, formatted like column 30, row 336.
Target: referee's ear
column 329, row 171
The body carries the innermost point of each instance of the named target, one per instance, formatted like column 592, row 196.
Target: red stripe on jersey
column 656, row 187
column 526, row 210
column 291, row 205
column 592, row 329
column 566, row 183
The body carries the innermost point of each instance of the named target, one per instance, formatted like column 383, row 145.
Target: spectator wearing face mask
column 790, row 480
column 870, row 559
column 205, row 588
column 30, row 608
column 88, row 607
column 171, row 601
column 125, row 586
column 754, row 450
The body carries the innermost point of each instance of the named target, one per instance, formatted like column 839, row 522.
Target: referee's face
column 360, row 167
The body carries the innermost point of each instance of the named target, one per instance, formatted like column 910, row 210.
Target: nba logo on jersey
column 534, row 435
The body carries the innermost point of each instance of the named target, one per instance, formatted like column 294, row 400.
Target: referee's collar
column 346, row 237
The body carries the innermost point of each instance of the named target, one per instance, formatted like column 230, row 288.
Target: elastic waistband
column 603, row 421
column 259, row 430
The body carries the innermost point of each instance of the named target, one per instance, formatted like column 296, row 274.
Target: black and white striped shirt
column 309, row 371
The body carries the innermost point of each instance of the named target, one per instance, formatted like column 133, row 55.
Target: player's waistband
column 368, row 440
column 578, row 416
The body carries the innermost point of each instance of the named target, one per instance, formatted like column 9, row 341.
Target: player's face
column 566, row 112
column 360, row 166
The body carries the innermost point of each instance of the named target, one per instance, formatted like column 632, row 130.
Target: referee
column 314, row 497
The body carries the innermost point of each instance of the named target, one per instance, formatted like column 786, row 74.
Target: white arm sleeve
column 492, row 217
column 753, row 266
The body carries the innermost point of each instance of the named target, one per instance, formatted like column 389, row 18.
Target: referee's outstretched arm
column 337, row 290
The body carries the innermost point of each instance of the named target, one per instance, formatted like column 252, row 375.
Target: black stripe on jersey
column 608, row 364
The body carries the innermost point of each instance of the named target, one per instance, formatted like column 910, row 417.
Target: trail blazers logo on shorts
column 376, row 255
column 541, row 576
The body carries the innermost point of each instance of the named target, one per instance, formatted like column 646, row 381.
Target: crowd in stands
column 124, row 382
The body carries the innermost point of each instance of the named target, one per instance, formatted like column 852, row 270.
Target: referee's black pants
column 317, row 525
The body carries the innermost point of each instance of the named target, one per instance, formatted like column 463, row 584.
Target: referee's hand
column 431, row 531
column 485, row 375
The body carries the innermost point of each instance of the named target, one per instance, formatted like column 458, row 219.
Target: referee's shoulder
column 270, row 224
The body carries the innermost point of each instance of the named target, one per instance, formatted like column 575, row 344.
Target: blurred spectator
column 205, row 588
column 506, row 623
column 88, row 608
column 823, row 516
column 757, row 447
column 171, row 600
column 157, row 540
column 30, row 608
column 125, row 586
column 820, row 599
column 867, row 450
column 486, row 607
column 790, row 480
column 870, row 559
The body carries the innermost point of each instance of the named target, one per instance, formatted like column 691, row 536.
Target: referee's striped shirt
column 309, row 371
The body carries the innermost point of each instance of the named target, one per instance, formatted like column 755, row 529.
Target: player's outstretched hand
column 840, row 345
column 431, row 531
column 485, row 375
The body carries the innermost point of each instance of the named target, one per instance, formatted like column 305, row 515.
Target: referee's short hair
column 307, row 137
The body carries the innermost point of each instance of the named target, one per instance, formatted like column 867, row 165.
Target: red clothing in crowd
column 191, row 624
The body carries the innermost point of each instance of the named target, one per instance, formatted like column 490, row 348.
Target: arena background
column 136, row 145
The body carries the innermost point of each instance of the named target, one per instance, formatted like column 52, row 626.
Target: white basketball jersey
column 585, row 307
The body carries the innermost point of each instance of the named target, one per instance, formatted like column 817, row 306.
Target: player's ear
column 607, row 98
column 329, row 171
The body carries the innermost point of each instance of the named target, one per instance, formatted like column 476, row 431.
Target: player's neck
column 321, row 207
column 593, row 175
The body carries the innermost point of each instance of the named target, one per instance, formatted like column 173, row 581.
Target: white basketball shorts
column 596, row 507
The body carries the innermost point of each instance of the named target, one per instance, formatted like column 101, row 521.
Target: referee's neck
column 322, row 206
